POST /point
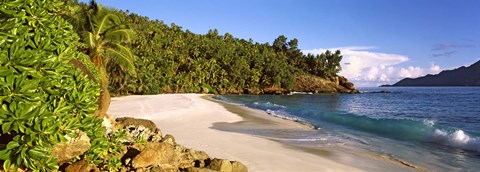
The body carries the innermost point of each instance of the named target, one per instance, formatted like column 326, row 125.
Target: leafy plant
column 103, row 39
column 42, row 98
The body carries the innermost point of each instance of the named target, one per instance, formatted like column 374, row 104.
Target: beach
column 200, row 123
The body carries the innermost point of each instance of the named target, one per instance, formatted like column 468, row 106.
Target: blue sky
column 382, row 40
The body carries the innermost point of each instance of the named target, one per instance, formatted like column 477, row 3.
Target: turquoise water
column 437, row 128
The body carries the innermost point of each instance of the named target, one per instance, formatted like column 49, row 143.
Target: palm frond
column 105, row 20
column 123, row 57
column 120, row 35
column 89, row 39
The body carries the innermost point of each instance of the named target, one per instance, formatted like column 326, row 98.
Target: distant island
column 463, row 76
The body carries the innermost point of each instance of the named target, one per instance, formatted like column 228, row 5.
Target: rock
column 195, row 169
column 342, row 80
column 66, row 151
column 108, row 123
column 127, row 121
column 274, row 90
column 190, row 158
column 139, row 129
column 252, row 91
column 238, row 167
column 221, row 165
column 156, row 154
column 349, row 85
column 168, row 139
column 159, row 169
column 308, row 83
column 80, row 166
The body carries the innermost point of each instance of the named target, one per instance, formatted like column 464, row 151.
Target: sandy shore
column 197, row 123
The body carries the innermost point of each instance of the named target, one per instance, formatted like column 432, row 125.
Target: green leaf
column 4, row 154
column 4, row 71
column 6, row 165
column 6, row 127
column 38, row 153
column 12, row 145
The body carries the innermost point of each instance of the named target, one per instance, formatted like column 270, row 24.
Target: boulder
column 156, row 154
column 190, row 158
column 168, row 139
column 221, row 165
column 139, row 129
column 274, row 90
column 238, row 167
column 66, row 151
column 127, row 121
column 81, row 166
column 195, row 169
column 341, row 80
column 349, row 85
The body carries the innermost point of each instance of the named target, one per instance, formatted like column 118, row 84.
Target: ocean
column 434, row 127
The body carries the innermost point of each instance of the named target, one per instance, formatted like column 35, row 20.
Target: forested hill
column 463, row 76
column 170, row 59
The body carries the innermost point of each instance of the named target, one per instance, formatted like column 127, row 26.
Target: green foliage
column 104, row 148
column 42, row 98
column 173, row 60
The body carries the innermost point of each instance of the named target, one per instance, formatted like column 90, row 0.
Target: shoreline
column 215, row 127
column 342, row 154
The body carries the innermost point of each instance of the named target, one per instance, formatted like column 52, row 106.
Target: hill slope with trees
column 170, row 59
column 463, row 76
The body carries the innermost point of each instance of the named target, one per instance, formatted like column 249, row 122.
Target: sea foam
column 456, row 138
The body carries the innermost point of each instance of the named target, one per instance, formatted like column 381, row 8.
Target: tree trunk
column 104, row 100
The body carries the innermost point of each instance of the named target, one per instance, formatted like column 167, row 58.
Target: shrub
column 43, row 97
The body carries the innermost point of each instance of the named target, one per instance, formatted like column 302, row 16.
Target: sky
column 382, row 41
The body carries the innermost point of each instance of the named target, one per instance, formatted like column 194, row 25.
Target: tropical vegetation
column 170, row 59
column 44, row 101
column 60, row 59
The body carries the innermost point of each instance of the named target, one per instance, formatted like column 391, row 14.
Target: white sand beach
column 189, row 118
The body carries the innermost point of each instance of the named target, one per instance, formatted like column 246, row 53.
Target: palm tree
column 103, row 37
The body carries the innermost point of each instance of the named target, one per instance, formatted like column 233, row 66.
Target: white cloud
column 365, row 67
column 435, row 69
column 410, row 72
column 362, row 64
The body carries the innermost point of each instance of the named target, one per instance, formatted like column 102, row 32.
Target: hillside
column 463, row 76
column 171, row 59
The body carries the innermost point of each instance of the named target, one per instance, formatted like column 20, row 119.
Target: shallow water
column 437, row 128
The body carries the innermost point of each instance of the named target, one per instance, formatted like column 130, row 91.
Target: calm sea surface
column 434, row 127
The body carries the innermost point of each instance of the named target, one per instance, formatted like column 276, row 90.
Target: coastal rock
column 127, row 121
column 168, row 139
column 238, row 167
column 307, row 83
column 139, row 129
column 274, row 90
column 157, row 154
column 65, row 151
column 195, row 169
column 81, row 166
column 252, row 91
column 221, row 165
column 190, row 158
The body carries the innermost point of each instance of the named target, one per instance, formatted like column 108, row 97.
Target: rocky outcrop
column 139, row 129
column 74, row 147
column 81, row 166
column 314, row 84
column 159, row 154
